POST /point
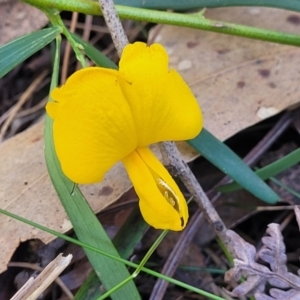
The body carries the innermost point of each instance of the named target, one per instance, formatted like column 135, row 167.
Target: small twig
column 185, row 174
column 114, row 24
column 34, row 287
column 33, row 109
column 194, row 223
column 286, row 221
column 274, row 208
column 64, row 71
column 87, row 27
column 169, row 148
column 185, row 238
column 25, row 96
column 93, row 27
column 264, row 144
column 35, row 267
column 268, row 140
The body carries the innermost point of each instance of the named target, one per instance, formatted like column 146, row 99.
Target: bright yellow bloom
column 102, row 116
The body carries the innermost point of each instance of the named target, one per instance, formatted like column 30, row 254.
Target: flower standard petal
column 93, row 125
column 162, row 104
column 161, row 202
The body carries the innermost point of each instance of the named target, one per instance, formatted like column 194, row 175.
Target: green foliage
column 94, row 54
column 87, row 227
column 18, row 50
column 268, row 171
column 228, row 162
column 194, row 4
column 184, row 20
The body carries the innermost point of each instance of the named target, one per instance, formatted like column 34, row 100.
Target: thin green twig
column 140, row 266
column 119, row 259
column 55, row 19
column 184, row 20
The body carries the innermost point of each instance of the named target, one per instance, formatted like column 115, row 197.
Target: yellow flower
column 102, row 116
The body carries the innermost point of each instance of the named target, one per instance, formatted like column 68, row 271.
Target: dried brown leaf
column 245, row 266
column 26, row 190
column 256, row 274
column 234, row 79
column 18, row 18
column 273, row 252
column 279, row 294
column 237, row 81
column 34, row 287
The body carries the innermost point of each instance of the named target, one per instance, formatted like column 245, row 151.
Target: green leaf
column 94, row 54
column 194, row 4
column 286, row 187
column 133, row 230
column 131, row 233
column 268, row 171
column 86, row 225
column 96, row 250
column 229, row 163
column 18, row 50
column 89, row 290
column 125, row 241
column 184, row 20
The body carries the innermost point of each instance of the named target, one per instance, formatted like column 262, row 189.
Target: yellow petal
column 93, row 125
column 161, row 202
column 162, row 104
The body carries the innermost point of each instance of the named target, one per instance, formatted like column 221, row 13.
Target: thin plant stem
column 178, row 19
column 114, row 25
column 140, row 266
column 119, row 259
column 56, row 20
column 168, row 148
column 181, row 169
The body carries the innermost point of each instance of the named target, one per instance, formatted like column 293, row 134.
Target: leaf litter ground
column 200, row 261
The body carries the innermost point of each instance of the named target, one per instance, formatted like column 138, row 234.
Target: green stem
column 118, row 286
column 119, row 259
column 184, row 20
column 55, row 72
column 140, row 266
column 149, row 253
column 185, row 5
column 55, row 19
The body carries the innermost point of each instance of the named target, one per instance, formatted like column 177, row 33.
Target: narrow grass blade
column 18, row 50
column 89, row 290
column 125, row 241
column 86, row 226
column 130, row 234
column 128, row 263
column 228, row 162
column 268, row 171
